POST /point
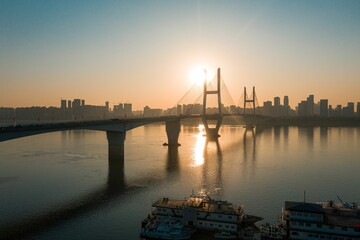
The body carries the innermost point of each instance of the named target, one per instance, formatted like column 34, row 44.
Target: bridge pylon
column 212, row 133
column 246, row 100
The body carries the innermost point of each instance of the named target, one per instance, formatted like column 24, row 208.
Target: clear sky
column 144, row 51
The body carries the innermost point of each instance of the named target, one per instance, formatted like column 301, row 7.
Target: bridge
column 116, row 128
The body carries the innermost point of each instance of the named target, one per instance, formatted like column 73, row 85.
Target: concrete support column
column 173, row 131
column 116, row 146
column 212, row 134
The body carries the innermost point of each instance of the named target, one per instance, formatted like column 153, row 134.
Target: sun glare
column 197, row 75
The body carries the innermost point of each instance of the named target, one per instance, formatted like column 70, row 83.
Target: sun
column 198, row 75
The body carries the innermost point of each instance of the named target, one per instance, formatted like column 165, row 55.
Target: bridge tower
column 212, row 133
column 246, row 100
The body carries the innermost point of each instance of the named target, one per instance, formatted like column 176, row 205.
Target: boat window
column 318, row 225
column 308, row 224
column 344, row 228
column 295, row 233
column 227, row 226
column 301, row 224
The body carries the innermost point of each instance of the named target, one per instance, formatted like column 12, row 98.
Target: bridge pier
column 116, row 146
column 172, row 132
column 212, row 134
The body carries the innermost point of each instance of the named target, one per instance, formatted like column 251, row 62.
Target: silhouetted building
column 358, row 109
column 63, row 104
column 286, row 105
column 337, row 111
column 7, row 113
column 302, row 108
column 192, row 108
column 69, row 104
column 148, row 112
column 178, row 110
column 127, row 109
column 276, row 102
column 82, row 102
column 324, row 110
column 348, row 111
column 107, row 107
column 306, row 108
column 310, row 106
column 267, row 108
column 286, row 101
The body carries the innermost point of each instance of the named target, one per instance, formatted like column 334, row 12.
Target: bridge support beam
column 173, row 131
column 116, row 146
column 212, row 133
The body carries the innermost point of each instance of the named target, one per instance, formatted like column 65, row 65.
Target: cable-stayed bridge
column 116, row 128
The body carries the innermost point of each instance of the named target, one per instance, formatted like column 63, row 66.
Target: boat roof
column 336, row 215
column 202, row 204
column 304, row 207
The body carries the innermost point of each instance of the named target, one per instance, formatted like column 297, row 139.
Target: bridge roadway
column 116, row 128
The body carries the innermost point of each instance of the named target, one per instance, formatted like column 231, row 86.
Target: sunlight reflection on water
column 199, row 147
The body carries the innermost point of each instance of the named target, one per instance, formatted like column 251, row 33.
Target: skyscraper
column 63, row 104
column 324, row 109
column 310, row 106
column 286, row 105
column 276, row 102
column 128, row 108
column 286, row 101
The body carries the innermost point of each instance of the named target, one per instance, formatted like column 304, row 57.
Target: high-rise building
column 69, row 104
column 358, row 109
column 286, row 105
column 302, row 108
column 276, row 102
column 63, row 104
column 331, row 111
column 348, row 111
column 286, row 101
column 268, row 109
column 128, row 108
column 324, row 109
column 310, row 106
column 82, row 102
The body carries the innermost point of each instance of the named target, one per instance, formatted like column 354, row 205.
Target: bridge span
column 116, row 128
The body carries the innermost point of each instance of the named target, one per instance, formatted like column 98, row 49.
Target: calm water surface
column 62, row 185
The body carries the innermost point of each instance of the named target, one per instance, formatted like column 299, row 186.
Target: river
column 61, row 186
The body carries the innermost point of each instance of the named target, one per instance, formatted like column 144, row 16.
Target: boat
column 272, row 232
column 328, row 220
column 202, row 213
column 166, row 230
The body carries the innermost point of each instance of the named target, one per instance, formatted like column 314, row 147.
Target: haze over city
column 146, row 52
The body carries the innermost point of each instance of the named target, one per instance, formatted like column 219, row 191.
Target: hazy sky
column 144, row 51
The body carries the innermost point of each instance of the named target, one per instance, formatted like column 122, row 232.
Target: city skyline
column 146, row 52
